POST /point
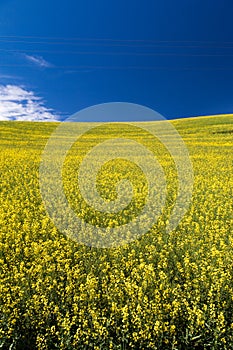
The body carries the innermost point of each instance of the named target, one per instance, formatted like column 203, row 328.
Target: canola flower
column 158, row 292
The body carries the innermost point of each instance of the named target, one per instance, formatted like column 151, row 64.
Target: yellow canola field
column 161, row 291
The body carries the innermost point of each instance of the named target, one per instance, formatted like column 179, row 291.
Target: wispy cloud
column 17, row 103
column 8, row 77
column 39, row 61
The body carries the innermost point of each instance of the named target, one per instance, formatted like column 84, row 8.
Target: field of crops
column 160, row 291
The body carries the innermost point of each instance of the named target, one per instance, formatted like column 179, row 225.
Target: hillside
column 160, row 291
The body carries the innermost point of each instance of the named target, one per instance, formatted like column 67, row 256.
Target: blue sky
column 58, row 57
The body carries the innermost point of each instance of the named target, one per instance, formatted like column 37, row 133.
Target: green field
column 161, row 291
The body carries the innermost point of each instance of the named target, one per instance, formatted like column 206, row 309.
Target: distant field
column 161, row 291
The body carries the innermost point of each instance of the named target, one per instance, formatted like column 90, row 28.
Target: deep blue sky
column 173, row 56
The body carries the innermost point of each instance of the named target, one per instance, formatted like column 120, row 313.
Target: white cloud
column 8, row 76
column 16, row 103
column 39, row 61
